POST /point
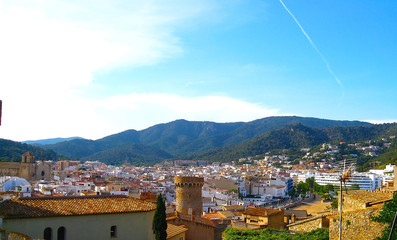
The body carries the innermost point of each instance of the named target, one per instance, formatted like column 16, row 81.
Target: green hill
column 297, row 136
column 180, row 138
column 11, row 151
column 132, row 153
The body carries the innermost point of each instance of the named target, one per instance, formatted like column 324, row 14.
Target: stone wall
column 356, row 224
column 196, row 230
column 309, row 224
column 360, row 199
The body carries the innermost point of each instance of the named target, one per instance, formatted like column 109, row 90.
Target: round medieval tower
column 188, row 195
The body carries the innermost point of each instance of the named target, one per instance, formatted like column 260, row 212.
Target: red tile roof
column 199, row 220
column 72, row 206
column 173, row 230
column 263, row 212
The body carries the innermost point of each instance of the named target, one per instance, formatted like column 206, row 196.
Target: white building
column 387, row 174
column 366, row 181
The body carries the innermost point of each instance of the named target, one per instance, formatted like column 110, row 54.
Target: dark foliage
column 386, row 216
column 159, row 225
column 133, row 153
column 11, row 151
column 274, row 234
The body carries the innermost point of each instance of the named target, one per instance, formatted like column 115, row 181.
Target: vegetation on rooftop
column 274, row 234
column 387, row 215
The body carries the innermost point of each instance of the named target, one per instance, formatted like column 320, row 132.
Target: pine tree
column 159, row 221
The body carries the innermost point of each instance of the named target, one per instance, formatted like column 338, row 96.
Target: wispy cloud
column 312, row 44
column 98, row 118
column 381, row 121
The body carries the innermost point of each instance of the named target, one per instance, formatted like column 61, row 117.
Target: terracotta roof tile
column 173, row 230
column 261, row 211
column 72, row 206
column 215, row 215
column 200, row 220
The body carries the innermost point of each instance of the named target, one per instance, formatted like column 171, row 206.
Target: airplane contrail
column 313, row 45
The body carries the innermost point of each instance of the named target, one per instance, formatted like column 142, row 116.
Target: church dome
column 14, row 182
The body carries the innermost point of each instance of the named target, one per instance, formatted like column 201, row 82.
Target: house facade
column 257, row 218
column 93, row 217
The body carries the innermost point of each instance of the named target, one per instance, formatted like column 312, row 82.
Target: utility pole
column 340, row 211
column 1, row 103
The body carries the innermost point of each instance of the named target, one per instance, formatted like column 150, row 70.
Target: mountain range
column 212, row 141
column 182, row 138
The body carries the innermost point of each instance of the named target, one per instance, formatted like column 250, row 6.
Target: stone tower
column 28, row 166
column 188, row 195
column 28, row 157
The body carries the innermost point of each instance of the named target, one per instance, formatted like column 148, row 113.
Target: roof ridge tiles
column 72, row 197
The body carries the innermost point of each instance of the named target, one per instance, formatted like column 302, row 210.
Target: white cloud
column 51, row 49
column 381, row 121
column 96, row 119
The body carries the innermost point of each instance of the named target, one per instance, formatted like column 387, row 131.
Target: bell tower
column 28, row 166
column 28, row 157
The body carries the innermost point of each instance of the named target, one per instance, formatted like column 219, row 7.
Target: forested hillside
column 297, row 136
column 11, row 151
column 210, row 141
column 181, row 138
column 134, row 153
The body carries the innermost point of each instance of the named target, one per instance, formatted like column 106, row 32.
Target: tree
column 386, row 216
column 311, row 182
column 159, row 221
column 334, row 204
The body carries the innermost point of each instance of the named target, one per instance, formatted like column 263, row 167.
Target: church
column 28, row 168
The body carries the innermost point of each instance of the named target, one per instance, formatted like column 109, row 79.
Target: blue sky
column 95, row 68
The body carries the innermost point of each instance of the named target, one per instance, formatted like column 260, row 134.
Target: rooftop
column 72, row 206
column 173, row 230
column 368, row 196
column 262, row 212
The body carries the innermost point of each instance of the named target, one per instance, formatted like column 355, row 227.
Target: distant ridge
column 181, row 138
column 50, row 141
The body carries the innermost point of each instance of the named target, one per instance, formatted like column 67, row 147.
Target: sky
column 99, row 67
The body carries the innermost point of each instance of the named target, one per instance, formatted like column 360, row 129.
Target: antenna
column 343, row 178
column 1, row 103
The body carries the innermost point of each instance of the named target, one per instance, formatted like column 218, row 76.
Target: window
column 113, row 231
column 47, row 234
column 61, row 233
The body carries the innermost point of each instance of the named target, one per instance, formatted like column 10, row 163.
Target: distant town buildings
column 28, row 168
column 202, row 199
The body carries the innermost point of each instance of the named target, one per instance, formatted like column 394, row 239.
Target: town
column 202, row 199
column 196, row 120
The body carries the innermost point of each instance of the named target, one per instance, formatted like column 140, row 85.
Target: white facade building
column 366, row 181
